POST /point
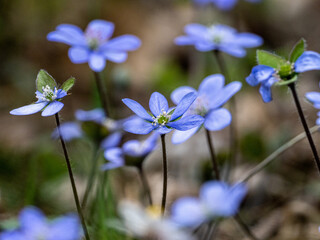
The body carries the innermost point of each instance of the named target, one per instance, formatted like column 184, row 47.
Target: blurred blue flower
column 95, row 115
column 266, row 76
column 212, row 94
column 35, row 226
column 314, row 98
column 217, row 199
column 48, row 102
column 69, row 131
column 224, row 5
column 130, row 150
column 218, row 37
column 94, row 45
column 162, row 119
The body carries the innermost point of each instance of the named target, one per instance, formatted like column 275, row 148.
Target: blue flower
column 35, row 226
column 132, row 152
column 224, row 5
column 218, row 37
column 94, row 45
column 95, row 115
column 314, row 97
column 217, row 199
column 212, row 95
column 48, row 102
column 69, row 131
column 161, row 118
column 266, row 76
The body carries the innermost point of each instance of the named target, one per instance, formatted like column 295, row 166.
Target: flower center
column 214, row 35
column 48, row 94
column 94, row 38
column 162, row 119
column 286, row 70
column 200, row 106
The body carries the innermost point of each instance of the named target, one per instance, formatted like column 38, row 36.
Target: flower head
column 35, row 226
column 224, row 5
column 216, row 200
column 94, row 45
column 133, row 152
column 212, row 94
column 275, row 69
column 48, row 95
column 218, row 37
column 161, row 118
column 314, row 97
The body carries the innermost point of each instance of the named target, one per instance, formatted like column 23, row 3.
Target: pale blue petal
column 101, row 28
column 97, row 62
column 211, row 86
column 218, row 119
column 13, row 235
column 249, row 40
column 96, row 115
column 265, row 92
column 184, row 40
column 163, row 130
column 195, row 29
column 137, row 109
column 205, row 46
column 318, row 121
column 69, row 131
column 32, row 221
column 78, row 54
column 188, row 212
column 182, row 136
column 52, row 108
column 233, row 50
column 122, row 43
column 138, row 126
column 177, row 95
column 225, row 5
column 313, row 97
column 186, row 122
column 309, row 60
column 65, row 228
column 74, row 32
column 61, row 93
column 29, row 109
column 258, row 74
column 225, row 94
column 65, row 37
column 113, row 140
column 132, row 148
column 117, row 57
column 158, row 103
column 115, row 157
column 183, row 105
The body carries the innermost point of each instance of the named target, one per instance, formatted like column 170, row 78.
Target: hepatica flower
column 94, row 44
column 48, row 95
column 161, row 118
column 216, row 200
column 275, row 69
column 132, row 152
column 218, row 37
column 35, row 226
column 314, row 98
column 212, row 94
column 224, row 5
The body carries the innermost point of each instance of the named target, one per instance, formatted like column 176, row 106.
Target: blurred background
column 32, row 170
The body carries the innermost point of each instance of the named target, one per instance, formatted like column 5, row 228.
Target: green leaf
column 44, row 79
column 67, row 85
column 297, row 50
column 269, row 59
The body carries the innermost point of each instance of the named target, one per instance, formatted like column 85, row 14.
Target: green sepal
column 269, row 59
column 297, row 50
column 287, row 82
column 68, row 84
column 44, row 79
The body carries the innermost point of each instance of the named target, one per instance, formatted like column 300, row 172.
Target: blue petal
column 61, row 93
column 182, row 136
column 68, row 34
column 265, row 92
column 225, row 94
column 138, row 126
column 65, row 228
column 163, row 130
column 29, row 109
column 135, row 148
column 180, row 92
column 101, row 28
column 309, row 60
column 52, row 108
column 225, row 5
column 113, row 140
column 233, row 50
column 158, row 103
column 122, row 43
column 211, row 86
column 97, row 62
column 313, row 97
column 78, row 54
column 96, row 115
column 117, row 57
column 69, row 131
column 32, row 221
column 13, row 235
column 183, row 105
column 318, row 121
column 184, row 40
column 258, row 74
column 137, row 109
column 186, row 122
column 205, row 46
column 188, row 212
column 115, row 158
column 249, row 40
column 195, row 29
column 217, row 119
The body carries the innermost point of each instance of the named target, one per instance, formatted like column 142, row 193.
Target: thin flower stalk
column 165, row 174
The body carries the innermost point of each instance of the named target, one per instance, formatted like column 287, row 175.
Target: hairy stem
column 102, row 93
column 165, row 174
column 145, row 184
column 304, row 124
column 213, row 157
column 73, row 185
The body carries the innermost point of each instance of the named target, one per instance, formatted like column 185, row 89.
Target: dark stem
column 213, row 157
column 165, row 174
column 244, row 227
column 91, row 177
column 145, row 184
column 73, row 185
column 102, row 93
column 304, row 124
